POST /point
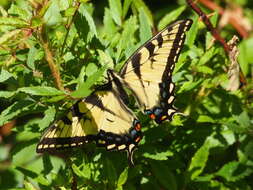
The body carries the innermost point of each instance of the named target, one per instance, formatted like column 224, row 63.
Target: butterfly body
column 104, row 118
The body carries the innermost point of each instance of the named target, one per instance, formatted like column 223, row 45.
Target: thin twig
column 52, row 65
column 209, row 25
column 228, row 48
column 232, row 20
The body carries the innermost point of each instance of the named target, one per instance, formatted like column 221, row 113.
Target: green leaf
column 127, row 37
column 43, row 181
column 36, row 22
column 22, row 13
column 126, row 6
column 116, row 11
column 48, row 118
column 208, row 55
column 53, row 15
column 189, row 85
column 234, row 171
column 158, row 155
column 29, row 186
column 140, row 4
column 145, row 29
column 198, row 161
column 84, row 88
column 205, row 119
column 204, row 69
column 41, row 91
column 15, row 110
column 84, row 11
column 192, row 33
column 123, row 177
column 31, row 57
column 5, row 75
column 245, row 55
column 3, row 12
column 170, row 17
column 109, row 26
column 105, row 59
column 82, row 171
column 243, row 119
column 9, row 35
column 24, row 155
column 13, row 21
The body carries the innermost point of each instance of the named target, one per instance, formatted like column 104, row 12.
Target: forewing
column 148, row 71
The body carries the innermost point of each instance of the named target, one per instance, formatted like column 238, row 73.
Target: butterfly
column 104, row 118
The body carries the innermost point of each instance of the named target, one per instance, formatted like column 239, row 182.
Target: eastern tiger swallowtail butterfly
column 103, row 116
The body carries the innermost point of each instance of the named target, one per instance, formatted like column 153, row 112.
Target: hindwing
column 101, row 117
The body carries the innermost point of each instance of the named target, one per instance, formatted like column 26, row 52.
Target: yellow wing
column 147, row 73
column 102, row 117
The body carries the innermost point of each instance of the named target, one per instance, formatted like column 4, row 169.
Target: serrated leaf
column 140, row 4
column 52, row 15
column 55, row 98
column 31, row 57
column 15, row 110
column 123, row 177
column 105, row 59
column 207, row 56
column 5, row 75
column 127, row 37
column 29, row 186
column 48, row 118
column 82, row 171
column 243, row 119
column 93, row 31
column 188, row 86
column 245, row 56
column 84, row 88
column 70, row 11
column 41, row 91
column 24, row 154
column 205, row 119
column 192, row 33
column 204, row 69
column 116, row 11
column 43, row 181
column 145, row 29
column 170, row 17
column 36, row 22
column 13, row 21
column 198, row 161
column 3, row 12
column 9, row 35
column 234, row 171
column 158, row 155
column 109, row 26
column 126, row 6
column 22, row 13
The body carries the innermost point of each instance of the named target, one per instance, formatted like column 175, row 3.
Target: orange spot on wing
column 163, row 117
column 138, row 139
column 152, row 116
column 138, row 127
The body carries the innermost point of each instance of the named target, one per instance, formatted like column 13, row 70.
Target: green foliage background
column 209, row 148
